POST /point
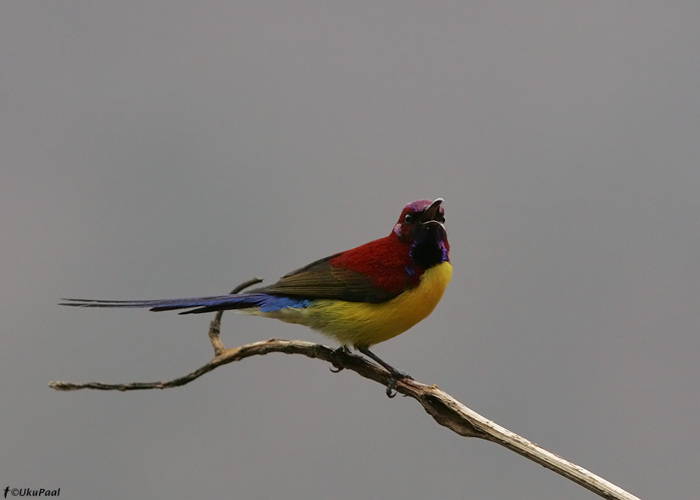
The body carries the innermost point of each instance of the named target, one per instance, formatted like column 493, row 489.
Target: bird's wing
column 322, row 280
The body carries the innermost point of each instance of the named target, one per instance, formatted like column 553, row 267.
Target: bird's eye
column 408, row 218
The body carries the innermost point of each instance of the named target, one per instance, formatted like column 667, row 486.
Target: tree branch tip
column 253, row 281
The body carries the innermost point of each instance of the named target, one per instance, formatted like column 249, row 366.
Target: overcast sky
column 167, row 149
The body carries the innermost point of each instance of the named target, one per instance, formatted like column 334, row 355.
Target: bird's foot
column 340, row 350
column 395, row 377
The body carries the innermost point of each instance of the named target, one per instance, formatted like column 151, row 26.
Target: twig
column 215, row 325
column 446, row 410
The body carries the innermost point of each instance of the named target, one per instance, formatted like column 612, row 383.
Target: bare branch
column 215, row 325
column 446, row 410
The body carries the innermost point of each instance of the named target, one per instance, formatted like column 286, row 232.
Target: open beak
column 432, row 213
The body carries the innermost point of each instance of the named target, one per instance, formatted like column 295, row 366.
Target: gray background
column 167, row 149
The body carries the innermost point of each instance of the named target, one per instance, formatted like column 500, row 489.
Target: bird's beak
column 432, row 212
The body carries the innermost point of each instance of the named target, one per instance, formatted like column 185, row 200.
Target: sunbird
column 359, row 297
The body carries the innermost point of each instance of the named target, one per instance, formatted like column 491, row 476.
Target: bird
column 359, row 297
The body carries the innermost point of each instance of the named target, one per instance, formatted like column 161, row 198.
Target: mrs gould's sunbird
column 359, row 297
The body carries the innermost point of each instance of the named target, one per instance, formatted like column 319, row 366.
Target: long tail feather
column 202, row 304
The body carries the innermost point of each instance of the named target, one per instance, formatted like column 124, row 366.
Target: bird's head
column 421, row 225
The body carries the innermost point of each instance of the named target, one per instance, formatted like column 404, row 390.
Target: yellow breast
column 362, row 324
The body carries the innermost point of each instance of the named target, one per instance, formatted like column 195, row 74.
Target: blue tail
column 197, row 305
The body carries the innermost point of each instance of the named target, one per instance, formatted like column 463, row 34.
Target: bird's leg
column 343, row 349
column 395, row 374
